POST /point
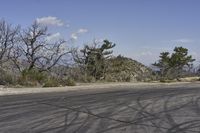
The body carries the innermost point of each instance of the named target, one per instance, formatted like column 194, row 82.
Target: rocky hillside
column 125, row 69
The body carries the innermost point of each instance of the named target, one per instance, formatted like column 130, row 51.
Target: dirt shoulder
column 16, row 91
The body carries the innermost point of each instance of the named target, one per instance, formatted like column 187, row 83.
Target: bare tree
column 35, row 51
column 8, row 37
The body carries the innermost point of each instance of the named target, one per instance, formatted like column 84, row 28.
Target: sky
column 141, row 29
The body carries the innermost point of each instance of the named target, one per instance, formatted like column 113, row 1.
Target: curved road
column 119, row 110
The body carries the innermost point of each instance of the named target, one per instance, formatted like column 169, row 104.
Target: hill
column 126, row 69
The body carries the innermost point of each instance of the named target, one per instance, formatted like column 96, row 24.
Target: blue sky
column 140, row 28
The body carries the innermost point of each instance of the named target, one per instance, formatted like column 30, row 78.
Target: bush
column 54, row 82
column 51, row 82
column 163, row 80
column 6, row 78
column 68, row 82
column 84, row 78
column 109, row 78
column 31, row 78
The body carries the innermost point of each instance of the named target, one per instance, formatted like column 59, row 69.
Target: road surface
column 121, row 110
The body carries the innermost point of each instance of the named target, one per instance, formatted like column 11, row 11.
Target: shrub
column 109, row 78
column 51, row 82
column 162, row 80
column 54, row 82
column 31, row 78
column 68, row 82
column 84, row 78
column 6, row 78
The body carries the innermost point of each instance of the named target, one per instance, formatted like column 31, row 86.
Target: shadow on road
column 131, row 111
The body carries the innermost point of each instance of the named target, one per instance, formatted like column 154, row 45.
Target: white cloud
column 54, row 21
column 54, row 37
column 82, row 30
column 183, row 40
column 74, row 36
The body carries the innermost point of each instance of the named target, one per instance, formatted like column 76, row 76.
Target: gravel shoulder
column 94, row 86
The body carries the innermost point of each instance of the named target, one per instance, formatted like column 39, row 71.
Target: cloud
column 183, row 40
column 74, row 36
column 53, row 21
column 82, row 30
column 54, row 37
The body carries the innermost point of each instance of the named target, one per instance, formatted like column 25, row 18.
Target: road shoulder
column 93, row 86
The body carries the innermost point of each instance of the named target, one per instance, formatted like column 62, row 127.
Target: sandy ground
column 15, row 91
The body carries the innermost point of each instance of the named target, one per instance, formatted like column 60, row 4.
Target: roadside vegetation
column 176, row 65
column 28, row 58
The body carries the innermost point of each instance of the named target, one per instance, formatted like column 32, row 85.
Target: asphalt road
column 122, row 110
